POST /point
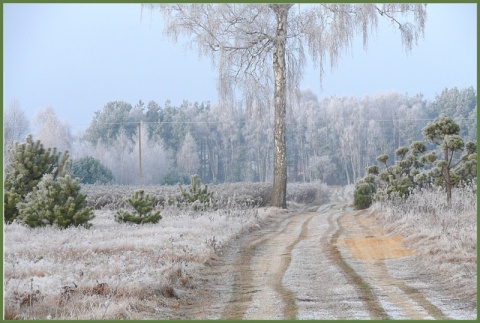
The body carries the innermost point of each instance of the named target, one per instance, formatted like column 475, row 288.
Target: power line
column 237, row 122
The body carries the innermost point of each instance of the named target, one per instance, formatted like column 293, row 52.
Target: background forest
column 333, row 139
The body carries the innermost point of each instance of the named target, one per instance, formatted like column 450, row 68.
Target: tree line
column 333, row 139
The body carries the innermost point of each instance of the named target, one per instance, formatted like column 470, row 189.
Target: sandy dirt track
column 324, row 263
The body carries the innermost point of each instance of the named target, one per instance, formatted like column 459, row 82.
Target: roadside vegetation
column 430, row 198
column 444, row 237
column 454, row 165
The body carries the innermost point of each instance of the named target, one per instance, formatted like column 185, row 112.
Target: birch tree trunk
column 279, row 190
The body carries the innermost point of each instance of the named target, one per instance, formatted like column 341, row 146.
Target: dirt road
column 326, row 263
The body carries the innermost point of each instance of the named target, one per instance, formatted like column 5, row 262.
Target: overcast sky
column 77, row 57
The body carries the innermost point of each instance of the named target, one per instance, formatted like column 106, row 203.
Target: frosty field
column 115, row 270
column 56, row 268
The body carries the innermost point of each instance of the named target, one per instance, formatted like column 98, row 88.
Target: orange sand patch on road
column 376, row 248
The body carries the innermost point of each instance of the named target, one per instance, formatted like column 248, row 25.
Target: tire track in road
column 366, row 292
column 258, row 290
column 322, row 290
column 412, row 292
column 303, row 266
column 369, row 252
column 290, row 307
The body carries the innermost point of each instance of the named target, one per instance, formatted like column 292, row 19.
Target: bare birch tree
column 51, row 131
column 246, row 40
column 16, row 125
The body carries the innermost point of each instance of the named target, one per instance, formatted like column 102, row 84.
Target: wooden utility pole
column 140, row 151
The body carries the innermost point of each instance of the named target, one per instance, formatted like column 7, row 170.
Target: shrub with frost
column 29, row 162
column 362, row 196
column 143, row 206
column 55, row 202
column 197, row 197
column 315, row 192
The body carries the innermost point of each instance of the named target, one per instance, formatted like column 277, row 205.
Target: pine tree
column 410, row 169
column 444, row 132
column 29, row 162
column 55, row 202
column 197, row 196
column 91, row 171
column 143, row 206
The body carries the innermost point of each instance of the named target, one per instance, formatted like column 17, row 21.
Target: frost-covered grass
column 125, row 271
column 138, row 263
column 445, row 238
